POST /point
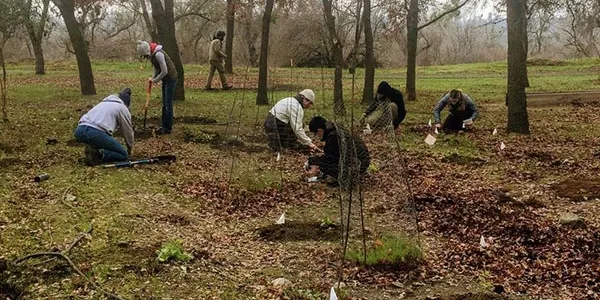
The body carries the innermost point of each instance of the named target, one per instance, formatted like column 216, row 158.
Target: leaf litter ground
column 512, row 197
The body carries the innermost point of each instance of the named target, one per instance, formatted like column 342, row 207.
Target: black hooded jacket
column 339, row 143
column 390, row 94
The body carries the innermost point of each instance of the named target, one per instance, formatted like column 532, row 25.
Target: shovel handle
column 148, row 91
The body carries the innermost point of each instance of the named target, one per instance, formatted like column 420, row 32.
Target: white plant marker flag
column 281, row 219
column 429, row 123
column 430, row 140
column 482, row 242
column 278, row 156
column 495, row 131
column 436, row 131
column 332, row 295
column 367, row 130
column 502, row 146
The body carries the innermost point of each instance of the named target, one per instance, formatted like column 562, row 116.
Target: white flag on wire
column 482, row 242
column 495, row 131
column 502, row 146
column 332, row 295
column 281, row 219
column 367, row 130
column 278, row 156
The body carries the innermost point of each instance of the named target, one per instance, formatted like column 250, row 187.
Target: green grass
column 173, row 250
column 389, row 251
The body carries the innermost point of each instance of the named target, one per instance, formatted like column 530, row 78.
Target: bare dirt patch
column 578, row 189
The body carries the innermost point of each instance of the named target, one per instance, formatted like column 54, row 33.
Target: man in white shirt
column 285, row 122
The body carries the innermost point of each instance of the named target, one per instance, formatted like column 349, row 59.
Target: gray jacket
column 108, row 115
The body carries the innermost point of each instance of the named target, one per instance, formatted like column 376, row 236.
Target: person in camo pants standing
column 216, row 58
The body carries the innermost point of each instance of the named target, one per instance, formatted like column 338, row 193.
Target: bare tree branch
column 443, row 15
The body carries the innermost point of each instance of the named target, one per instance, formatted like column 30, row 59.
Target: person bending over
column 339, row 144
column 462, row 112
column 97, row 126
column 387, row 108
column 284, row 124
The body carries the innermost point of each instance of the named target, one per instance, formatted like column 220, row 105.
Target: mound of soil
column 9, row 161
column 474, row 296
column 299, row 231
column 578, row 189
column 217, row 141
column 137, row 120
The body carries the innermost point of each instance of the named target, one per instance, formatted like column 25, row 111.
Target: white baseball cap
column 308, row 94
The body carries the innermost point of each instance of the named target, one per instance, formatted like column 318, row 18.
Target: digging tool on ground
column 153, row 160
column 148, row 91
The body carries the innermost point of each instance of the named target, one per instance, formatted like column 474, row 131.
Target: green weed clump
column 173, row 250
column 389, row 251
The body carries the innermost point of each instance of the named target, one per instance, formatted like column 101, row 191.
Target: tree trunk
column 338, row 56
column 86, row 77
column 262, row 98
column 3, row 89
column 518, row 120
column 369, row 56
column 250, row 36
column 35, row 36
column 412, row 30
column 165, row 25
column 149, row 25
column 231, row 6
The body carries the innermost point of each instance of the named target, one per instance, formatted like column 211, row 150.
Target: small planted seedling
column 327, row 223
column 173, row 250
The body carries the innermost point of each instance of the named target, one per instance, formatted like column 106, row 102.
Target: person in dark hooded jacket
column 387, row 108
column 339, row 144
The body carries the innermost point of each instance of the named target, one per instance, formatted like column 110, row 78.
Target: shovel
column 153, row 160
column 148, row 91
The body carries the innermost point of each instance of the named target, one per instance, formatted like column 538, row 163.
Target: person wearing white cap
column 284, row 125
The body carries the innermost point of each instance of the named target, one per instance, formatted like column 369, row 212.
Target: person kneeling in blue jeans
column 97, row 126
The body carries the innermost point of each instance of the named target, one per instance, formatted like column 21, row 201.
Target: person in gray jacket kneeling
column 97, row 126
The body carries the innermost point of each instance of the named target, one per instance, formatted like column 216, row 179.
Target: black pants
column 280, row 134
column 454, row 121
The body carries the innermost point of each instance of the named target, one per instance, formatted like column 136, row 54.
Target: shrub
column 389, row 251
column 173, row 250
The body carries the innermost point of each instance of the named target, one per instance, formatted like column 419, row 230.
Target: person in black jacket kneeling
column 386, row 109
column 339, row 144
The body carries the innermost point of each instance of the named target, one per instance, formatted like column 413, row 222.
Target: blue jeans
column 110, row 148
column 168, row 93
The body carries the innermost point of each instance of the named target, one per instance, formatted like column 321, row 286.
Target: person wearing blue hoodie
column 97, row 126
column 164, row 70
column 462, row 112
